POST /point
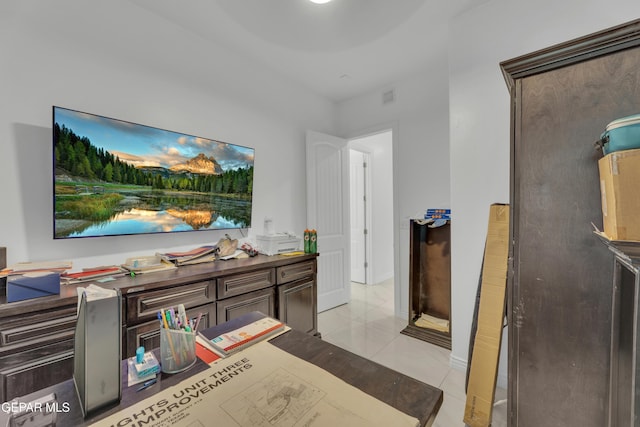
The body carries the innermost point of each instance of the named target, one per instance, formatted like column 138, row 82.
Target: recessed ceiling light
column 320, row 1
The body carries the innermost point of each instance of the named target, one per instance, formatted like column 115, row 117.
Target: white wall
column 419, row 117
column 114, row 59
column 479, row 107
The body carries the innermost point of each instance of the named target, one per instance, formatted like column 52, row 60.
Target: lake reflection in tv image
column 116, row 178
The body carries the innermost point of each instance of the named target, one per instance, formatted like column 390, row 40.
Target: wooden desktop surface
column 406, row 394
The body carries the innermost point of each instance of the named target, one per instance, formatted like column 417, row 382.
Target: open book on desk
column 256, row 327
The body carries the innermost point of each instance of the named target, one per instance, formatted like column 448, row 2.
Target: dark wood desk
column 409, row 395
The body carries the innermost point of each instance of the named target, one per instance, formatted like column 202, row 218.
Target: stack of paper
column 37, row 267
column 89, row 274
column 195, row 256
column 147, row 264
column 94, row 293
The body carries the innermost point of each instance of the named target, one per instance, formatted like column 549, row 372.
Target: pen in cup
column 166, row 326
column 182, row 314
column 195, row 326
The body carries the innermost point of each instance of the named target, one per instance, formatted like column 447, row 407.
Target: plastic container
column 307, row 238
column 621, row 134
column 313, row 242
column 177, row 350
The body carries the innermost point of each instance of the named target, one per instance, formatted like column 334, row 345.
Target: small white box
column 275, row 244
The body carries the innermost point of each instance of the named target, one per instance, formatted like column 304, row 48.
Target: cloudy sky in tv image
column 142, row 145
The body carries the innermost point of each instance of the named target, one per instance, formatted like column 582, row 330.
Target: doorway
column 360, row 213
column 329, row 211
column 371, row 208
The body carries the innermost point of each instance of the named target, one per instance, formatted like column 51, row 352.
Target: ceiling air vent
column 388, row 97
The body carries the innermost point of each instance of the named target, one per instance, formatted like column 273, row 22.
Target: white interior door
column 328, row 213
column 358, row 216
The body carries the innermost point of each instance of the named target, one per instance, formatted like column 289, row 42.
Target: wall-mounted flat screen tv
column 113, row 177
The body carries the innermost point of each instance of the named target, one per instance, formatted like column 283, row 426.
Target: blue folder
column 22, row 287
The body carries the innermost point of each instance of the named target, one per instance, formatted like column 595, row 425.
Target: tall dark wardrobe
column 560, row 281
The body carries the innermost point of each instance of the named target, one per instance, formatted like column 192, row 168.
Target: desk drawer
column 263, row 300
column 289, row 273
column 37, row 329
column 24, row 372
column 238, row 284
column 145, row 305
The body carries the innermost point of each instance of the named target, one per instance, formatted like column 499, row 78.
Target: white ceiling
column 339, row 49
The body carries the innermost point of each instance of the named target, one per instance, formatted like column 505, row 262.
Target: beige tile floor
column 368, row 327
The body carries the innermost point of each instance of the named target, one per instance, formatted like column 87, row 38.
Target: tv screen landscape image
column 113, row 177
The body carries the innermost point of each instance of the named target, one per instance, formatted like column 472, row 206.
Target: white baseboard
column 460, row 364
column 383, row 277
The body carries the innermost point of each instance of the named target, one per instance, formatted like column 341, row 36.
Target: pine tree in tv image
column 114, row 177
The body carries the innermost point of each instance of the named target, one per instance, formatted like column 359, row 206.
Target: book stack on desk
column 89, row 274
column 237, row 339
column 147, row 264
column 196, row 256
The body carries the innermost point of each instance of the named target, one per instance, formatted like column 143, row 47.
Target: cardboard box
column 486, row 350
column 620, row 191
column 32, row 285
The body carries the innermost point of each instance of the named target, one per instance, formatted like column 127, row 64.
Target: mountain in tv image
column 115, row 178
column 201, row 164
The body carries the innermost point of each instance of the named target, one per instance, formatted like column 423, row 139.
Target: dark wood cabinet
column 35, row 349
column 24, row 372
column 36, row 336
column 145, row 305
column 246, row 292
column 430, row 282
column 243, row 283
column 34, row 329
column 298, row 296
column 291, row 272
column 559, row 293
column 262, row 300
column 298, row 303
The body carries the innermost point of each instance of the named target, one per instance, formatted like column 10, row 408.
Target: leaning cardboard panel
column 97, row 358
column 484, row 364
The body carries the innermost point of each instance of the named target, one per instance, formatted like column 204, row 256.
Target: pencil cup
column 177, row 350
